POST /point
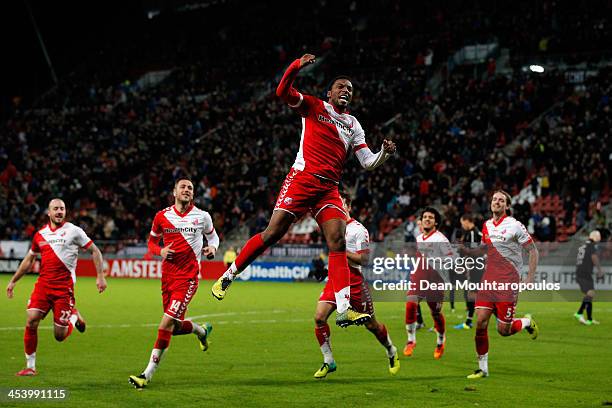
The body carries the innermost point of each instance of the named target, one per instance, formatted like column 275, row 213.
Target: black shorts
column 585, row 283
column 476, row 275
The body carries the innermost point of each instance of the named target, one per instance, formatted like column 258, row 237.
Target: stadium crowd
column 112, row 151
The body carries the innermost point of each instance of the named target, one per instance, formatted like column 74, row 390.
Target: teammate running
column 357, row 252
column 432, row 246
column 58, row 244
column 504, row 238
column 181, row 227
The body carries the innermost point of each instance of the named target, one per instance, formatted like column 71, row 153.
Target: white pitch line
column 122, row 326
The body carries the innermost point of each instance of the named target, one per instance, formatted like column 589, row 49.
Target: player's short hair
column 508, row 200
column 435, row 212
column 178, row 180
column 595, row 236
column 53, row 199
column 333, row 81
column 468, row 217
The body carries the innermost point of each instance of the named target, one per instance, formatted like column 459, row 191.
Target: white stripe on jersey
column 65, row 243
column 508, row 238
column 192, row 227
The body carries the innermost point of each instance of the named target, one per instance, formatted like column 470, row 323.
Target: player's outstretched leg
column 526, row 323
column 77, row 321
column 188, row 327
column 380, row 332
column 276, row 229
column 482, row 343
column 323, row 335
column 529, row 324
column 440, row 327
column 30, row 342
column 410, row 320
column 333, row 225
column 161, row 344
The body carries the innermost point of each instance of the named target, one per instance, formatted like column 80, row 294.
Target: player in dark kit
column 470, row 237
column 585, row 261
column 329, row 135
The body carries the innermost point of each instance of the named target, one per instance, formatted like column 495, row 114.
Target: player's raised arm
column 24, row 267
column 369, row 160
column 285, row 89
column 98, row 261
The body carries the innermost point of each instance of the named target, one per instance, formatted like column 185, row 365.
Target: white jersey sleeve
column 522, row 236
column 81, row 239
column 367, row 159
column 209, row 231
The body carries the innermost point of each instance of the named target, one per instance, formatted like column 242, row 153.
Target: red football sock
column 382, row 336
column 482, row 341
column 163, row 339
column 70, row 328
column 186, row 328
column 251, row 250
column 30, row 340
column 437, row 316
column 517, row 326
column 322, row 333
column 411, row 312
column 339, row 273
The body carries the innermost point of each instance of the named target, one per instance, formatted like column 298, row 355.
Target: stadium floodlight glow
column 536, row 68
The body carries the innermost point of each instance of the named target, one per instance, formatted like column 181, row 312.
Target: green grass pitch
column 263, row 353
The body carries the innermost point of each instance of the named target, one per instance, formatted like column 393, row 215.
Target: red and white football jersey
column 59, row 250
column 505, row 240
column 327, row 138
column 185, row 232
column 357, row 240
column 434, row 245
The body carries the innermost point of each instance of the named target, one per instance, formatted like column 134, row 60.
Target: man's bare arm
column 24, row 267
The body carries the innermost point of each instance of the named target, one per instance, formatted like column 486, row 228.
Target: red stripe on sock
column 339, row 273
column 30, row 340
column 411, row 312
column 437, row 316
column 163, row 339
column 382, row 334
column 251, row 250
column 482, row 341
column 517, row 326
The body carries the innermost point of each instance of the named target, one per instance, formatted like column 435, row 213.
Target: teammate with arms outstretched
column 431, row 245
column 504, row 239
column 181, row 227
column 329, row 134
column 357, row 252
column 58, row 244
